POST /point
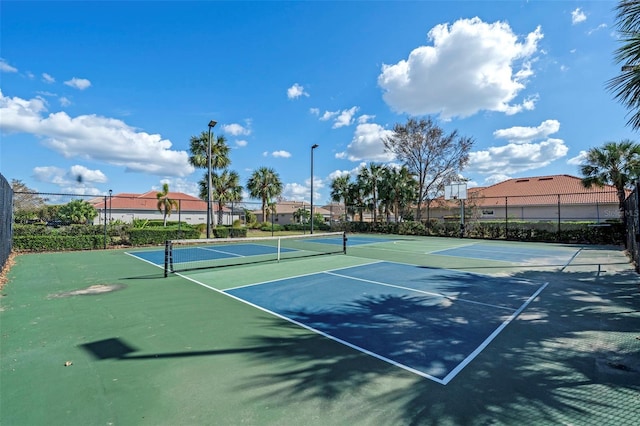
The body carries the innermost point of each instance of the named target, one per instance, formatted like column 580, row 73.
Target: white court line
column 314, row 330
column 419, row 291
column 144, row 260
column 301, row 275
column 218, row 251
column 443, row 381
column 492, row 336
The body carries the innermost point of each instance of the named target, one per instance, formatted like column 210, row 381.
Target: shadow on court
column 571, row 357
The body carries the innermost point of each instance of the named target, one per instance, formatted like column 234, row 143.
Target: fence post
column 506, row 218
column 105, row 222
column 558, row 237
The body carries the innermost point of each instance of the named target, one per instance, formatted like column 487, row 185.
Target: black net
column 182, row 255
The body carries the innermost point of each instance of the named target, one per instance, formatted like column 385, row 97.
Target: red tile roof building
column 545, row 198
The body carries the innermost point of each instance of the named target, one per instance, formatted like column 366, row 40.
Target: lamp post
column 314, row 146
column 212, row 124
column 110, row 192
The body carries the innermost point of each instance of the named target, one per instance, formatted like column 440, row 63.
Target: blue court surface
column 432, row 322
column 521, row 255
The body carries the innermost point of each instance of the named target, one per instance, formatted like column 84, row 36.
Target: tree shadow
column 571, row 357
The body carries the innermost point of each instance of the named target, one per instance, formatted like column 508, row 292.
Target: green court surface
column 101, row 338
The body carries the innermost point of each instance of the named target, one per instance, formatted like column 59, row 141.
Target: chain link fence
column 6, row 221
column 632, row 219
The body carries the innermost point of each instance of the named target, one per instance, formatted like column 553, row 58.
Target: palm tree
column 226, row 189
column 371, row 177
column 626, row 86
column 398, row 190
column 264, row 184
column 357, row 194
column 616, row 164
column 199, row 147
column 340, row 190
column 165, row 204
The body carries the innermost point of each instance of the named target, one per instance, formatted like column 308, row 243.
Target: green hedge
column 58, row 242
column 158, row 235
column 226, row 232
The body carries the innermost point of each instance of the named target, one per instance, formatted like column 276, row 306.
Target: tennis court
column 399, row 330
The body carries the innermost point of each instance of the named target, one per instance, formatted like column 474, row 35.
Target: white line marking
column 420, row 291
column 493, row 335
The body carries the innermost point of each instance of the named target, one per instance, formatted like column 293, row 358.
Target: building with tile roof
column 126, row 207
column 542, row 198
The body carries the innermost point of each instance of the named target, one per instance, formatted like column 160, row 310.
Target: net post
column 344, row 242
column 279, row 239
column 168, row 261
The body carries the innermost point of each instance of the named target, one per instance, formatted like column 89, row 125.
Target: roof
column 149, row 201
column 542, row 190
column 290, row 207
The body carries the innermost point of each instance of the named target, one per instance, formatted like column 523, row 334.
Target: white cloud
column 76, row 180
column 365, row 118
column 241, row 143
column 345, row 118
column 493, row 179
column 179, row 185
column 302, row 192
column 47, row 78
column 341, row 118
column 5, row 67
column 578, row 16
column 94, row 138
column 296, row 91
column 64, row 101
column 367, row 144
column 598, row 28
column 518, row 134
column 579, row 159
column 281, row 154
column 327, row 114
column 471, row 66
column 338, row 173
column 516, row 157
column 78, row 83
column 236, row 129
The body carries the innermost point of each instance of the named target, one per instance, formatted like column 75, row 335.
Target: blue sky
column 113, row 91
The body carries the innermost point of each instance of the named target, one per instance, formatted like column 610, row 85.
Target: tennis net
column 183, row 255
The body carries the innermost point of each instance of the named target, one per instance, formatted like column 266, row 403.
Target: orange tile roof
column 149, row 201
column 540, row 190
column 545, row 190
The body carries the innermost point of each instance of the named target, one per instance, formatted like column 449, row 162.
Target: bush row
column 576, row 232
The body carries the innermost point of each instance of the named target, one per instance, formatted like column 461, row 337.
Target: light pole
column 212, row 124
column 314, row 146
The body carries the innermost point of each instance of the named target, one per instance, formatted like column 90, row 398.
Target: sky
column 113, row 91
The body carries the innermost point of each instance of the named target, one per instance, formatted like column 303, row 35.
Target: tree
column 27, row 204
column 626, row 86
column 78, row 211
column 199, row 147
column 165, row 204
column 226, row 189
column 357, row 194
column 616, row 164
column 340, row 190
column 264, row 184
column 431, row 156
column 397, row 191
column 301, row 215
column 371, row 178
